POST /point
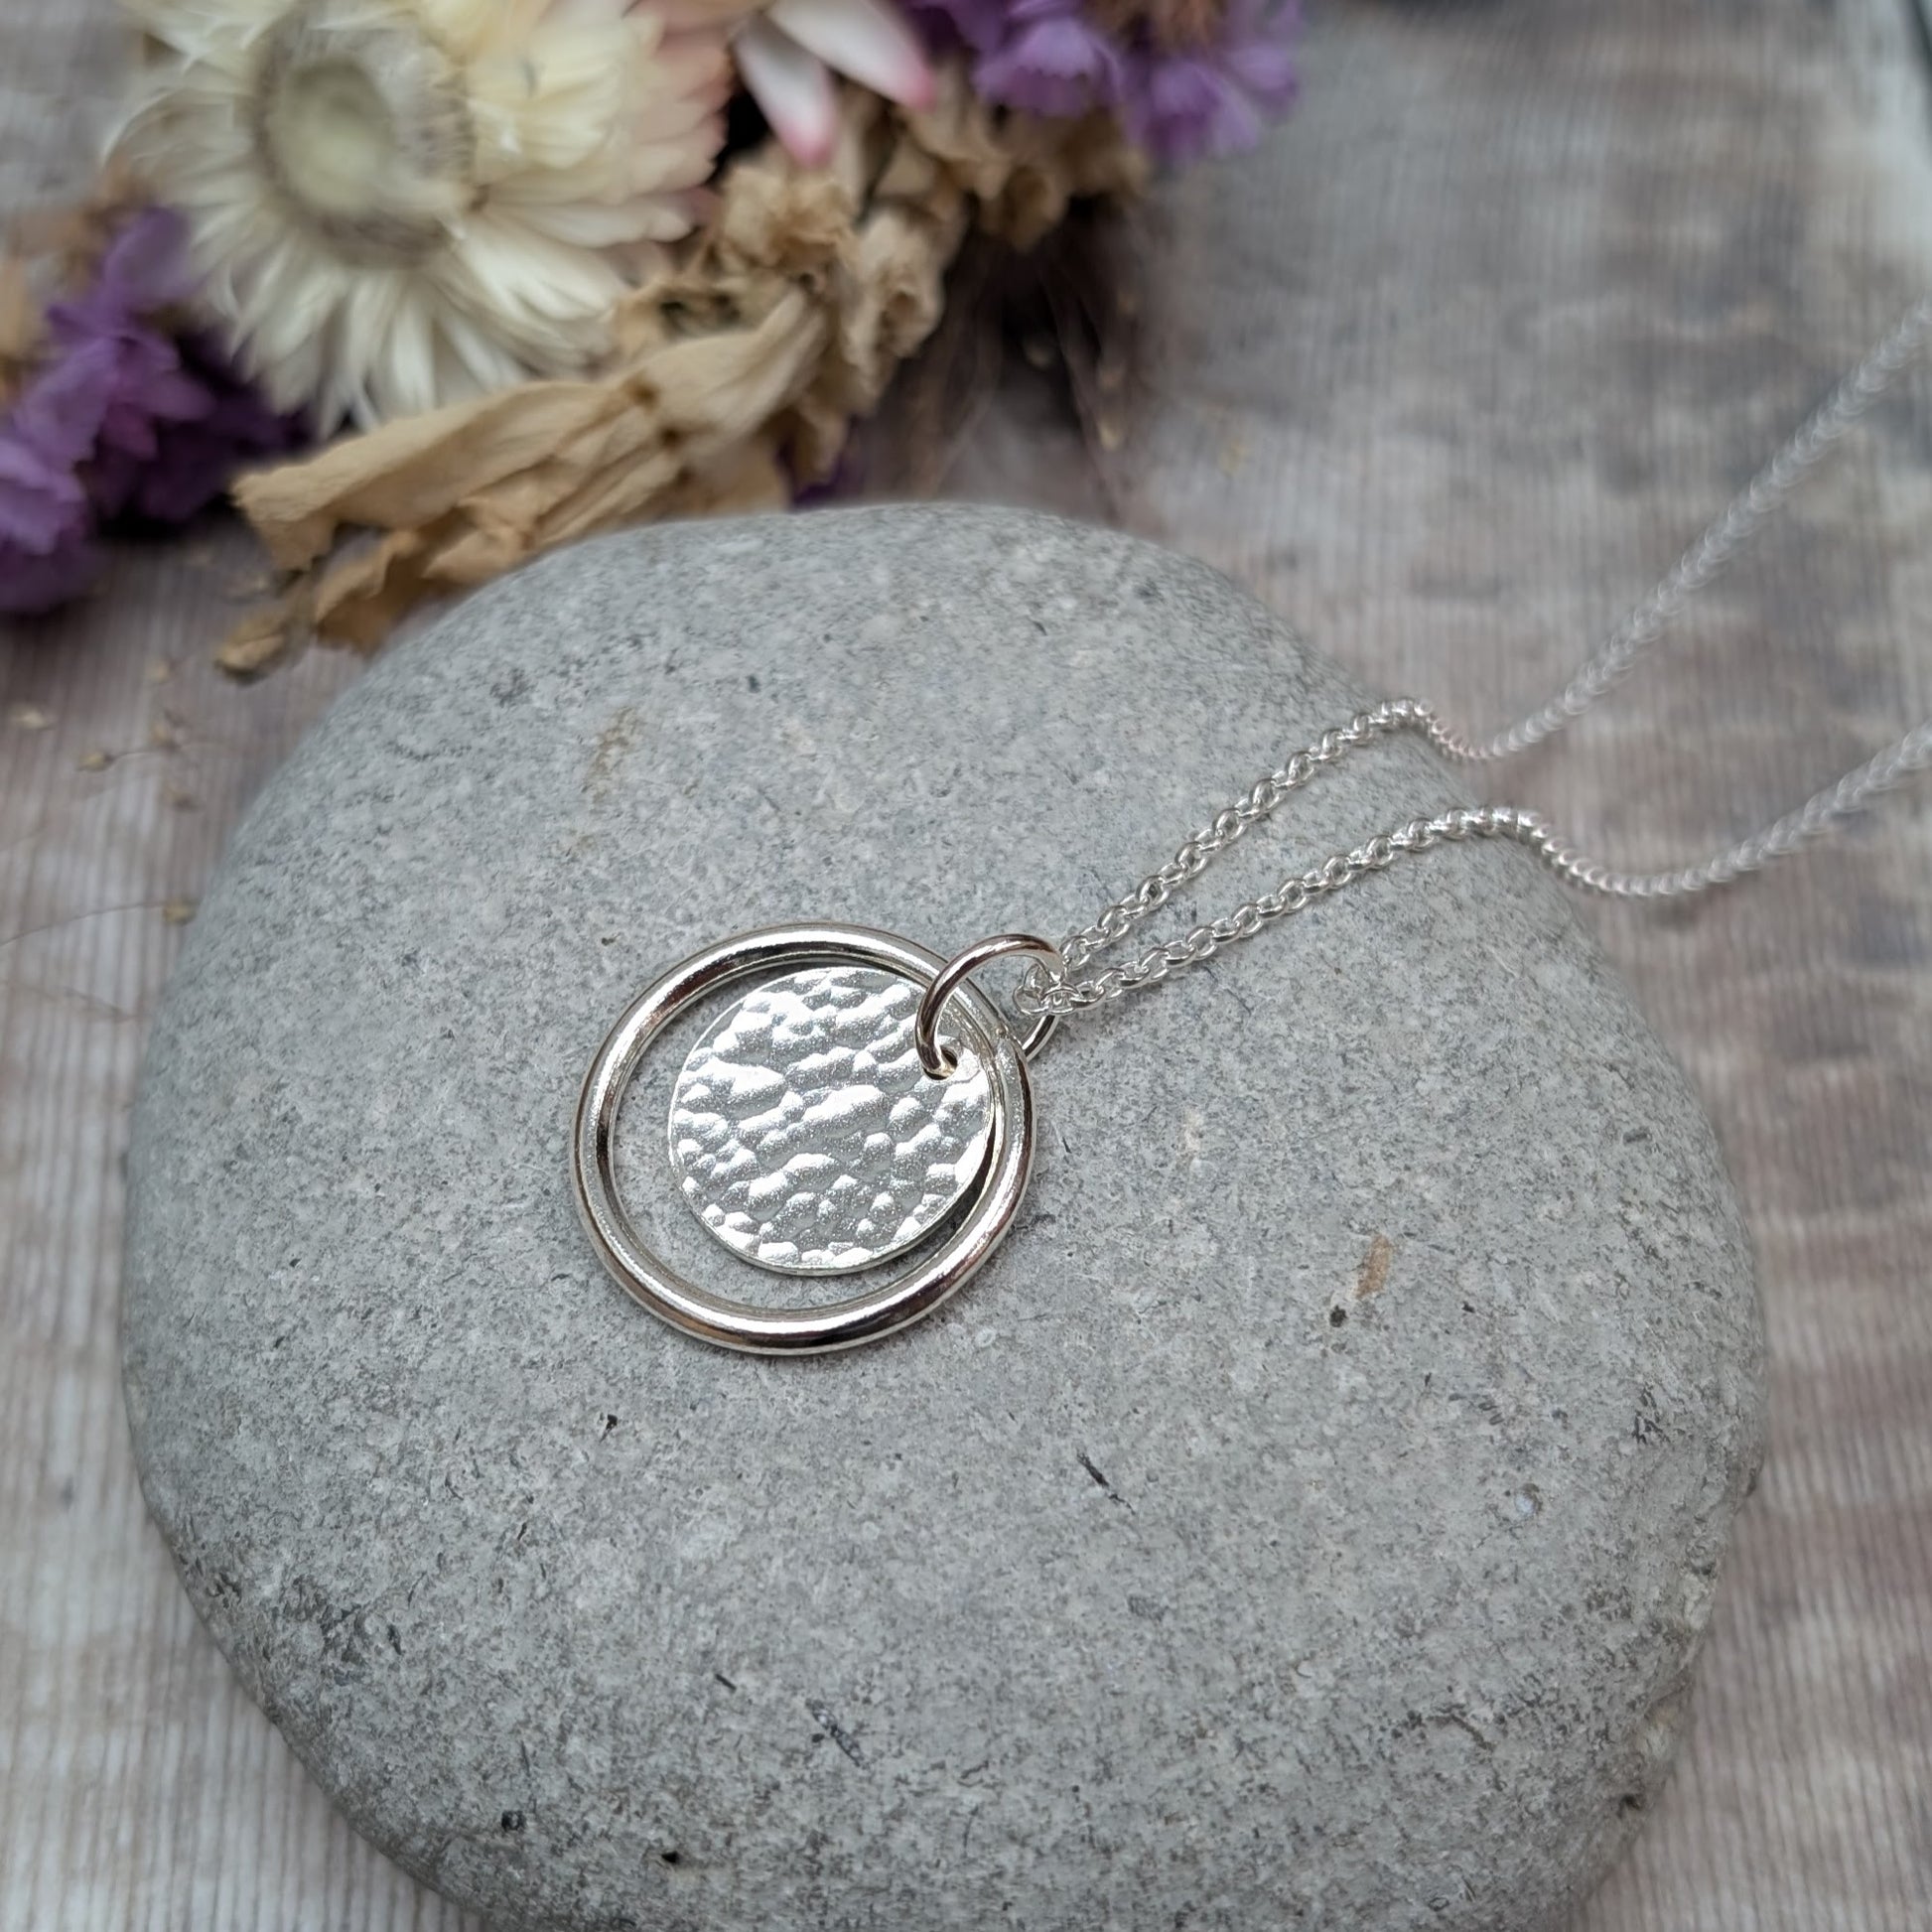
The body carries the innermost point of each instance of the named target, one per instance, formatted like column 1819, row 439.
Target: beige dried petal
column 21, row 327
column 71, row 237
column 748, row 479
column 360, row 599
column 413, row 469
column 263, row 640
column 783, row 222
column 910, row 175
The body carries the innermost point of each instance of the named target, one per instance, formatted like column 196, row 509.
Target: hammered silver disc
column 806, row 1136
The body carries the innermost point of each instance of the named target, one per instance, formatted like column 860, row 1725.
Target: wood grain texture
column 1448, row 375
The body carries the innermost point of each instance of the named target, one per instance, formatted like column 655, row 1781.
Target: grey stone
column 1309, row 1518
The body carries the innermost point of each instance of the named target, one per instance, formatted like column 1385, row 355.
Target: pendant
column 862, row 1103
column 806, row 1135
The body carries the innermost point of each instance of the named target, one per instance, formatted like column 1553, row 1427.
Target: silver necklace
column 867, row 1103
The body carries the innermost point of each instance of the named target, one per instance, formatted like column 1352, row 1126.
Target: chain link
column 1744, row 515
column 1043, row 990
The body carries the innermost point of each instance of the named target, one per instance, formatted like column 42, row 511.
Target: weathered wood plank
column 1447, row 375
column 1524, row 294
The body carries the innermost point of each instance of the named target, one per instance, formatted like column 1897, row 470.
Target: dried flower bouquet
column 529, row 269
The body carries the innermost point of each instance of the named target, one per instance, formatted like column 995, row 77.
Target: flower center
column 360, row 119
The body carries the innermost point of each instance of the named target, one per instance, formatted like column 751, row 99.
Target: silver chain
column 1058, row 992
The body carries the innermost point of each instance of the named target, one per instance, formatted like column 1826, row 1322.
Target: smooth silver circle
column 906, row 1295
column 934, row 1056
column 805, row 1137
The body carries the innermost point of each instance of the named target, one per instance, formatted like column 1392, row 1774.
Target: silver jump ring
column 937, row 1060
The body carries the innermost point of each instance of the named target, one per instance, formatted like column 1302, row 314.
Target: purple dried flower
column 47, row 523
column 58, row 415
column 142, row 389
column 46, row 528
column 145, row 270
column 195, row 457
column 126, row 423
column 1213, row 99
column 1196, row 78
column 1053, row 60
column 980, row 25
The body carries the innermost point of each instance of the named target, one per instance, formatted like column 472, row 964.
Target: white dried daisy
column 396, row 203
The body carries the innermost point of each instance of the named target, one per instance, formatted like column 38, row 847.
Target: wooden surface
column 1448, row 377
